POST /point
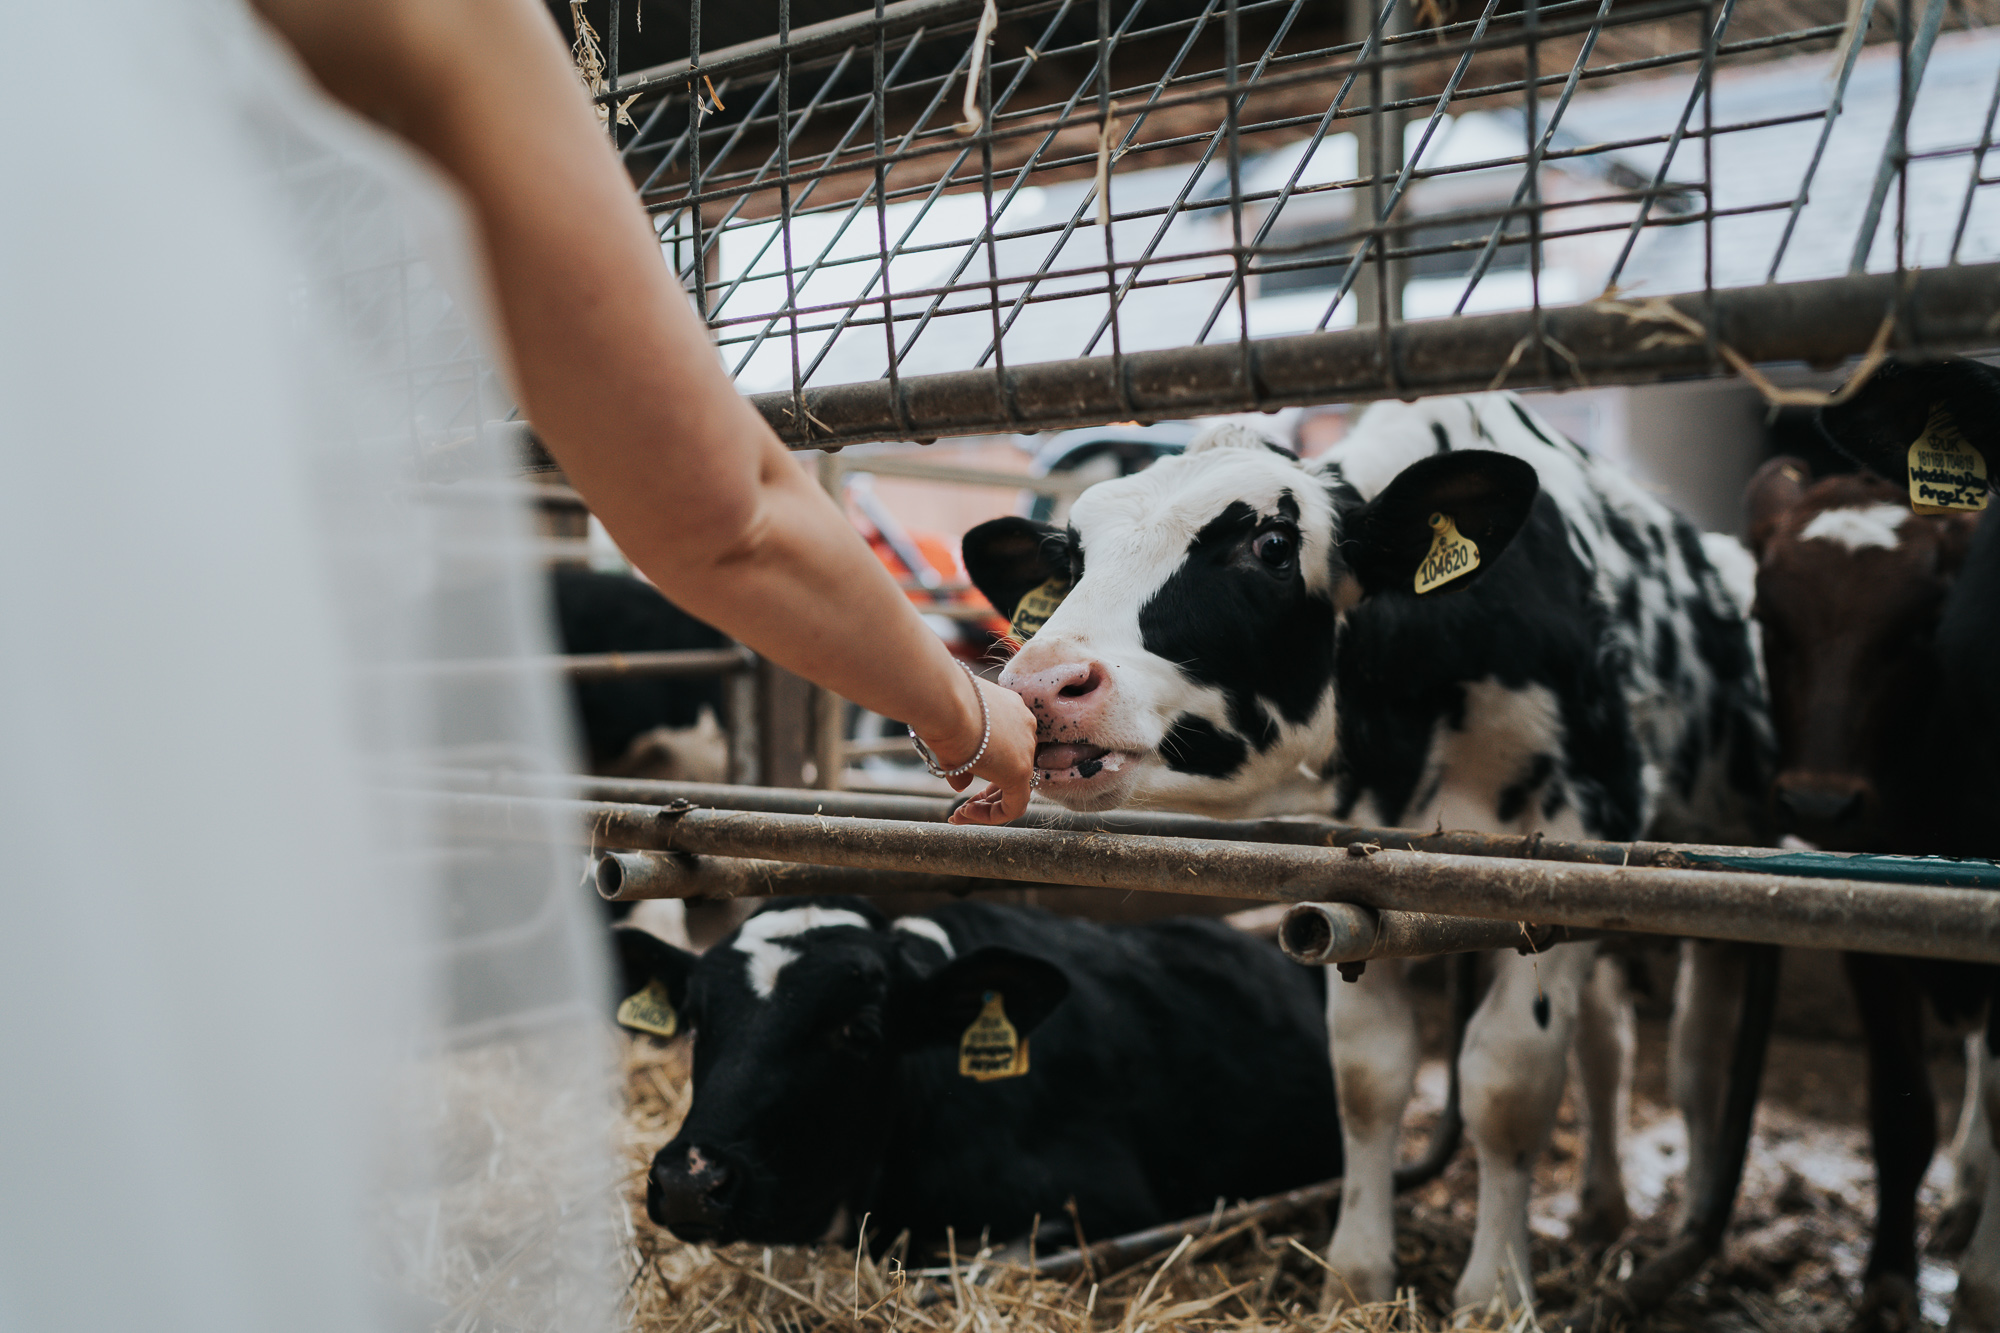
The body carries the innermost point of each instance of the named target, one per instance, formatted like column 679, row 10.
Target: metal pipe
column 626, row 877
column 1322, row 933
column 1315, row 934
column 1057, row 484
column 1821, row 323
column 1936, row 871
column 670, row 664
column 1765, row 909
column 809, row 40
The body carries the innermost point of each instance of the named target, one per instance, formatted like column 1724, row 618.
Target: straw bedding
column 1792, row 1262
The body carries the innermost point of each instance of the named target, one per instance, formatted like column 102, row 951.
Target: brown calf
column 1850, row 588
column 1850, row 584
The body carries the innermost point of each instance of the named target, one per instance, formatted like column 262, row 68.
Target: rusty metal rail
column 1735, row 905
column 1317, row 933
column 1311, row 933
column 670, row 663
column 634, row 876
column 1935, row 871
column 1819, row 323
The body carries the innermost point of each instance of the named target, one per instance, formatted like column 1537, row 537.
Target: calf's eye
column 1275, row 548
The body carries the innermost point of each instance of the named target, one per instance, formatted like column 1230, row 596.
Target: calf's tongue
column 1051, row 757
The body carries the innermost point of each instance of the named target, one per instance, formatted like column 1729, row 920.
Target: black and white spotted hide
column 1242, row 635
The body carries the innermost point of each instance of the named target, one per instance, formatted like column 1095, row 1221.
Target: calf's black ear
column 644, row 958
column 1480, row 495
column 949, row 999
column 1878, row 425
column 1008, row 558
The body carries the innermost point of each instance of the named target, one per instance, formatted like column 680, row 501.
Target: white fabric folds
column 277, row 1048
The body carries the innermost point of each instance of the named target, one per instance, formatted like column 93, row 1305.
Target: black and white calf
column 1241, row 634
column 1169, row 1064
column 639, row 726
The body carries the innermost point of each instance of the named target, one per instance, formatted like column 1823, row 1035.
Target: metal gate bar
column 1770, row 909
column 760, row 202
column 1819, row 323
column 668, row 663
column 1315, row 933
column 1933, row 871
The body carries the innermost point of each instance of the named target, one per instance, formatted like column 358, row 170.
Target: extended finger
column 986, row 808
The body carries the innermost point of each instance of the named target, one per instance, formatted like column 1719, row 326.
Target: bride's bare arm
column 618, row 373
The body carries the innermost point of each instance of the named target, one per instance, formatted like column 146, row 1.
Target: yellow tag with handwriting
column 991, row 1048
column 1452, row 555
column 1036, row 607
column 650, row 1011
column 1946, row 472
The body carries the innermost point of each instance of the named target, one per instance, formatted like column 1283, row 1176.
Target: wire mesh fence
column 952, row 216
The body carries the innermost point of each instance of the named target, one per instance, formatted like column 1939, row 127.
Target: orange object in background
column 976, row 634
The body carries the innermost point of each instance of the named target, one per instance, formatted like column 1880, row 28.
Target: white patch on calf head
column 1228, row 435
column 663, row 919
column 928, row 929
column 1857, row 528
column 1136, row 535
column 765, row 958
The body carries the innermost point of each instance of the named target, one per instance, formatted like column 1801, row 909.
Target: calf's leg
column 1373, row 1030
column 1511, row 1082
column 1971, row 1158
column 1708, row 1003
column 1604, row 1046
column 1902, row 1133
column 1976, row 1308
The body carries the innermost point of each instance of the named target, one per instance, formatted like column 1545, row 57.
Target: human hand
column 1007, row 765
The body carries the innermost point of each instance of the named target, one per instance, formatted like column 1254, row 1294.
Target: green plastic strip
column 1937, row 871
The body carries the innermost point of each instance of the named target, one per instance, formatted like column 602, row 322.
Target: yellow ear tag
column 991, row 1048
column 1036, row 607
column 650, row 1011
column 1946, row 471
column 1452, row 555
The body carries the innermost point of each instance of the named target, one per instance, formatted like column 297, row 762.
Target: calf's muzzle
column 1823, row 807
column 1066, row 697
column 688, row 1191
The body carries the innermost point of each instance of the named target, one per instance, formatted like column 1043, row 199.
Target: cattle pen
column 952, row 218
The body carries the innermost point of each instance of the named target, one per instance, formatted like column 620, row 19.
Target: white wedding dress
column 278, row 1050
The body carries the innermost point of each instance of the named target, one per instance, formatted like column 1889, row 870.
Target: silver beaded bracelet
column 985, row 735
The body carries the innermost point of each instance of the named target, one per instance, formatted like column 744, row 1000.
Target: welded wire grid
column 943, row 185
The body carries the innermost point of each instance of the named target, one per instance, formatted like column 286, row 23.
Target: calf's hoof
column 1954, row 1229
column 1976, row 1308
column 1489, row 1293
column 1888, row 1305
column 1357, row 1284
column 1601, row 1217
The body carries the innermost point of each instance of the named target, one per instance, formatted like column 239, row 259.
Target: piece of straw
column 989, row 19
column 1105, row 133
column 1659, row 310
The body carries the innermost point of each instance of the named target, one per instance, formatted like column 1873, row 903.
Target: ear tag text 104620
column 1946, row 472
column 991, row 1048
column 1036, row 607
column 1452, row 555
column 650, row 1011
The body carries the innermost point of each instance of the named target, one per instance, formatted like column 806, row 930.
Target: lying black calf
column 980, row 1067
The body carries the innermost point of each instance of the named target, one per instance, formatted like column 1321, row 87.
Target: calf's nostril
column 1076, row 689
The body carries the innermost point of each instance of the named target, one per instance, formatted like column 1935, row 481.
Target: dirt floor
column 1791, row 1264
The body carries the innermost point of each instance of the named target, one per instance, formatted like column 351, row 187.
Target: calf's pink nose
column 1069, row 692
